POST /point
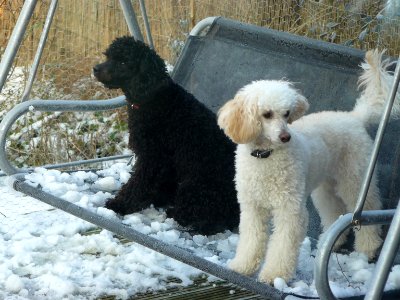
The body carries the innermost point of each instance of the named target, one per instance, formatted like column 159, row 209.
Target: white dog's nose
column 284, row 137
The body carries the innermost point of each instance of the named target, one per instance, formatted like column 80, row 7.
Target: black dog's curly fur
column 183, row 160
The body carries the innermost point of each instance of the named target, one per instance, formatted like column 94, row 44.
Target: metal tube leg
column 328, row 239
column 49, row 106
column 146, row 24
column 325, row 246
column 386, row 258
column 15, row 40
column 131, row 20
column 39, row 51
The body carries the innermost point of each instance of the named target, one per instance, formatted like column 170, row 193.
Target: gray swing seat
column 232, row 54
column 219, row 57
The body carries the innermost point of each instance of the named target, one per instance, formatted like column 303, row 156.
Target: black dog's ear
column 151, row 62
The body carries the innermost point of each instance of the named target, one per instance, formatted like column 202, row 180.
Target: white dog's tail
column 376, row 82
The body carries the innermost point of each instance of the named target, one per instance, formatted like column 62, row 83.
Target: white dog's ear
column 238, row 118
column 301, row 106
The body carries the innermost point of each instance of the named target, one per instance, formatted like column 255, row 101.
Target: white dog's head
column 261, row 111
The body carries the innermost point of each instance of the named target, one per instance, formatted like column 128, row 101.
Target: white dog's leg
column 290, row 227
column 252, row 239
column 367, row 238
column 329, row 207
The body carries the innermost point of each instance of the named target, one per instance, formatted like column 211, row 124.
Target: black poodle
column 184, row 162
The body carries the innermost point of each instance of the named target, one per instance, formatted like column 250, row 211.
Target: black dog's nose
column 284, row 137
column 96, row 69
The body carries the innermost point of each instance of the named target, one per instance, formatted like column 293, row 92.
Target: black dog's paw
column 115, row 205
column 122, row 207
column 196, row 226
column 208, row 228
column 170, row 212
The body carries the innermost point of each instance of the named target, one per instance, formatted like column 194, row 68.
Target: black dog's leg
column 204, row 207
column 149, row 184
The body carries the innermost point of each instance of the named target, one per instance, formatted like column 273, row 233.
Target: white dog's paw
column 268, row 276
column 369, row 247
column 368, row 242
column 269, row 273
column 243, row 266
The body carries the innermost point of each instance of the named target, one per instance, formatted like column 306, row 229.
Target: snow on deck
column 45, row 253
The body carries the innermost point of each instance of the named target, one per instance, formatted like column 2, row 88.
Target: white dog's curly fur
column 324, row 154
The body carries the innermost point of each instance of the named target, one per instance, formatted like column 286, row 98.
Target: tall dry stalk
column 82, row 30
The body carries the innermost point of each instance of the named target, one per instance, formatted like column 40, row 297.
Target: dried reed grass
column 82, row 29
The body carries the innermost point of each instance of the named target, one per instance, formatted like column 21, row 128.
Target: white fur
column 326, row 158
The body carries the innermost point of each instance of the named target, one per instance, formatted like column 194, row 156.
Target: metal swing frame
column 359, row 217
column 94, row 105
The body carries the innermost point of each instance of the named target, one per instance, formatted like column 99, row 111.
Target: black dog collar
column 134, row 106
column 259, row 153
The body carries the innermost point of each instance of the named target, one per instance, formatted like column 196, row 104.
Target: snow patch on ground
column 45, row 253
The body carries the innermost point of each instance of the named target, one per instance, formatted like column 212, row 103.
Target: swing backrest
column 231, row 54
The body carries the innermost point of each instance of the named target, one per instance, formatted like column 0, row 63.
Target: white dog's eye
column 267, row 115
column 287, row 113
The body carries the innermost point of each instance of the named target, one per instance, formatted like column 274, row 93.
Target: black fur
column 183, row 160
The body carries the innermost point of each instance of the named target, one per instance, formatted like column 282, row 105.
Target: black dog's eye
column 121, row 63
column 267, row 115
column 287, row 113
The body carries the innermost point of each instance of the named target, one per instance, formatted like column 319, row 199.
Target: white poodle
column 282, row 158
